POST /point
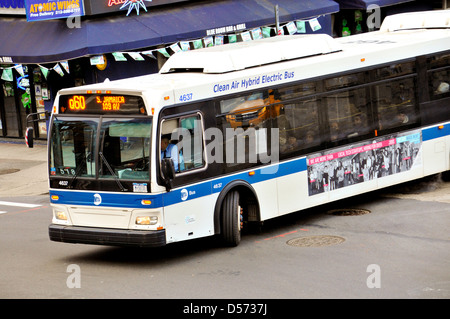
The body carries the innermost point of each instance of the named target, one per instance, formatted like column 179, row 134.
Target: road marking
column 19, row 204
column 2, row 212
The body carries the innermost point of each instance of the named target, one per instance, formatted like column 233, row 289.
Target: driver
column 169, row 150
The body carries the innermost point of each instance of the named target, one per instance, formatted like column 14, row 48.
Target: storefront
column 94, row 40
column 358, row 16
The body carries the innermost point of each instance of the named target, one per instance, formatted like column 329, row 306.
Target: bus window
column 182, row 141
column 299, row 126
column 245, row 111
column 439, row 84
column 124, row 149
column 299, row 90
column 347, row 114
column 344, row 81
column 252, row 110
column 395, row 70
column 395, row 102
column 439, row 76
column 73, row 146
column 439, row 61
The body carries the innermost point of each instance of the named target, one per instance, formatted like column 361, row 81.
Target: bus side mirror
column 168, row 170
column 29, row 136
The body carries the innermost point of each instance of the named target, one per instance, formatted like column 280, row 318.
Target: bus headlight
column 61, row 215
column 146, row 220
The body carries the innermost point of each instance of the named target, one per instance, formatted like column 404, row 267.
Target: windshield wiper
column 123, row 189
column 77, row 172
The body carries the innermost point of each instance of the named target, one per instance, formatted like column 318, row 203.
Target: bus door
column 188, row 205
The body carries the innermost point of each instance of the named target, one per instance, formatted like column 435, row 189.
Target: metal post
column 277, row 20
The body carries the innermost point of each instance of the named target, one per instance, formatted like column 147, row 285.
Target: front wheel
column 231, row 219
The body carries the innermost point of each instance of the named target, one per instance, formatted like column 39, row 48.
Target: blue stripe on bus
column 435, row 132
column 134, row 200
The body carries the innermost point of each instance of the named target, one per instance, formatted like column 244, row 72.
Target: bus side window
column 347, row 114
column 439, row 84
column 182, row 140
column 439, row 76
column 395, row 102
column 299, row 125
column 192, row 148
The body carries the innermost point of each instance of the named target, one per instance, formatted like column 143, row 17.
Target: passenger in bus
column 402, row 118
column 309, row 140
column 336, row 132
column 290, row 145
column 169, row 150
column 442, row 88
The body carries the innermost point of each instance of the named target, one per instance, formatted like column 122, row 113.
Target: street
column 398, row 247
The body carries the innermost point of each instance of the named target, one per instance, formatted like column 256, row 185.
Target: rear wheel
column 231, row 219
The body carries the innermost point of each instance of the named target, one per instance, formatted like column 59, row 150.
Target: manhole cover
column 315, row 241
column 349, row 212
column 5, row 171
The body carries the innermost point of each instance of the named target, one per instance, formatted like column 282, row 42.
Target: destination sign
column 101, row 104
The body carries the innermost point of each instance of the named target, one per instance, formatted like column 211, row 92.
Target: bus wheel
column 231, row 219
column 445, row 176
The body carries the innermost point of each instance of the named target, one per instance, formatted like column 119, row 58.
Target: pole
column 277, row 20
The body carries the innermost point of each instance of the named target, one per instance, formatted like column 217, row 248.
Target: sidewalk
column 23, row 170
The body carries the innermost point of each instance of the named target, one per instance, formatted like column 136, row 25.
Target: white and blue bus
column 253, row 130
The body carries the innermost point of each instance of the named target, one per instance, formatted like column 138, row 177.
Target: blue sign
column 37, row 10
column 13, row 4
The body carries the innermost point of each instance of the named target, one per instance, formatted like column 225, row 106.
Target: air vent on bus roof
column 439, row 19
column 242, row 55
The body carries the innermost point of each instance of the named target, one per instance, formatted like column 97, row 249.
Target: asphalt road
column 400, row 249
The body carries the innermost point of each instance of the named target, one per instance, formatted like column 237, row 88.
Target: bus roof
column 243, row 55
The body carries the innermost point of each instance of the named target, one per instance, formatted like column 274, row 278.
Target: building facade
column 50, row 45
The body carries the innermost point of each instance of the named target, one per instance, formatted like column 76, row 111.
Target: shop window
column 395, row 103
column 347, row 114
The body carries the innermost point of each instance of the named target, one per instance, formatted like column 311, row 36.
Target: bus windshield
column 104, row 148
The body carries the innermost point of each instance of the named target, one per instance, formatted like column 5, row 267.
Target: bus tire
column 231, row 219
column 445, row 176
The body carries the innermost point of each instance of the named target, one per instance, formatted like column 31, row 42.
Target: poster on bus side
column 362, row 162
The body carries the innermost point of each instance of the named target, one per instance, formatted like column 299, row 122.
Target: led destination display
column 101, row 104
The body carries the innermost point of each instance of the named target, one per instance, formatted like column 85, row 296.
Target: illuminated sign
column 103, row 6
column 37, row 10
column 101, row 104
column 110, row 103
column 77, row 102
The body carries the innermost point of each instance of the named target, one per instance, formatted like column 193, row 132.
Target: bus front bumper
column 103, row 236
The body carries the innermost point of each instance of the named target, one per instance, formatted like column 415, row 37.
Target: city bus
column 231, row 135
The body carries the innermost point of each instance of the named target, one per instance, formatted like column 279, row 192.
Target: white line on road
column 18, row 204
column 2, row 212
